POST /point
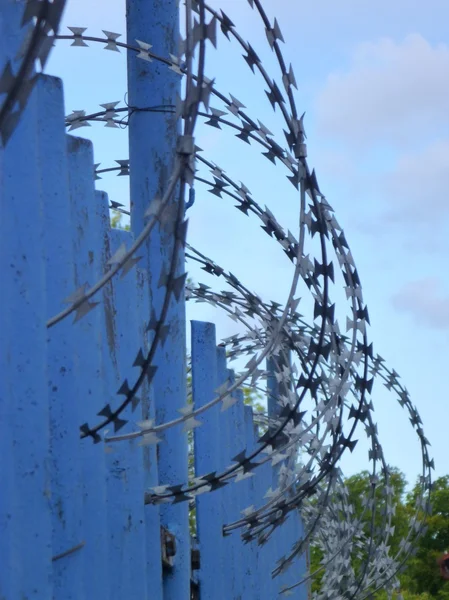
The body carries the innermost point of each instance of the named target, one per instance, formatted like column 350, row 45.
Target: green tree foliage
column 359, row 487
column 422, row 575
column 253, row 398
column 421, row 579
column 117, row 221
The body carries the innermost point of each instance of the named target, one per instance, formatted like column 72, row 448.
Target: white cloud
column 392, row 93
column 418, row 187
column 426, row 301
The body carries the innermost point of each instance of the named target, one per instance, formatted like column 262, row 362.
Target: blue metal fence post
column 152, row 142
column 125, row 459
column 207, row 438
column 65, row 414
column 89, row 339
column 266, row 555
column 25, row 517
column 24, row 442
column 253, row 591
column 274, row 390
column 232, row 423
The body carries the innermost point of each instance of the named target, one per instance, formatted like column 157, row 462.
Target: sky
column 373, row 80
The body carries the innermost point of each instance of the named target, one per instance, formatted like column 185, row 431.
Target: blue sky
column 373, row 79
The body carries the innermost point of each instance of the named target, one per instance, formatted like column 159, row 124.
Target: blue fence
column 73, row 519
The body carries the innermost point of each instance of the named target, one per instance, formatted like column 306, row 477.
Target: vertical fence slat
column 252, row 500
column 266, row 557
column 209, row 517
column 262, row 482
column 150, row 453
column 26, row 527
column 230, row 543
column 234, row 496
column 87, row 331
column 244, row 501
column 152, row 150
column 65, row 416
column 125, row 460
column 302, row 561
column 275, row 389
column 290, row 532
column 147, row 411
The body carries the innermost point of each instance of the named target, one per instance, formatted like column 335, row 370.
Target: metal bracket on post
column 185, row 148
column 194, row 590
column 185, row 145
column 195, row 563
column 168, row 548
column 195, row 559
column 301, row 150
